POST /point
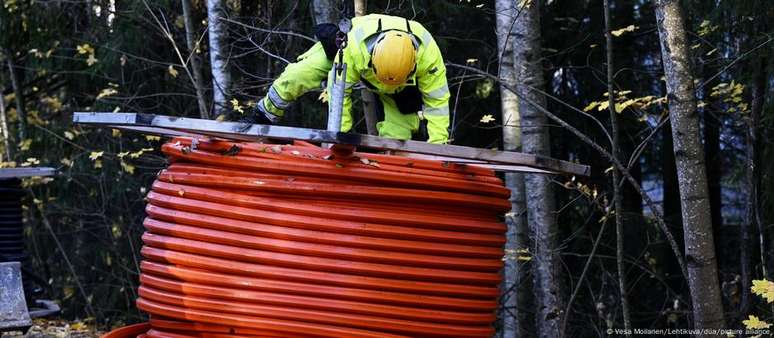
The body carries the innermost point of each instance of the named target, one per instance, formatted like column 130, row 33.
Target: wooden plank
column 26, row 172
column 253, row 132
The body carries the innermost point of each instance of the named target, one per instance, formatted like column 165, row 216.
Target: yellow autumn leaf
column 85, row 49
column 323, row 96
column 236, row 106
column 621, row 31
column 115, row 132
column 753, row 323
column 106, row 92
column 30, row 162
column 471, row 61
column 122, row 154
column 172, row 71
column 25, row 145
column 66, row 162
column 152, row 138
column 98, row 164
column 78, row 326
column 764, row 289
column 69, row 135
column 128, row 168
column 487, row 118
column 180, row 22
column 591, row 106
column 619, row 107
column 95, row 155
column 91, row 60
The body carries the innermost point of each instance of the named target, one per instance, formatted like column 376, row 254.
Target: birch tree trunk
column 325, row 11
column 196, row 66
column 4, row 132
column 221, row 79
column 21, row 113
column 360, row 7
column 691, row 171
column 541, row 206
column 516, row 220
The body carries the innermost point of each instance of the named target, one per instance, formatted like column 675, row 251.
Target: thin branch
column 648, row 201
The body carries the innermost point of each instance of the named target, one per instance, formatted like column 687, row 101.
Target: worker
column 395, row 58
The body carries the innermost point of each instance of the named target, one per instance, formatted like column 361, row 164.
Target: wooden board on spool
column 182, row 126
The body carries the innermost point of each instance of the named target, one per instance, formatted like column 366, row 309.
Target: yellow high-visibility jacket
column 430, row 78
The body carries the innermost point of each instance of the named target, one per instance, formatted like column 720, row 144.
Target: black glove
column 258, row 116
column 326, row 34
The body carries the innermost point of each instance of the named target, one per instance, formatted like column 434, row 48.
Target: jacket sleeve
column 431, row 78
column 353, row 76
column 306, row 74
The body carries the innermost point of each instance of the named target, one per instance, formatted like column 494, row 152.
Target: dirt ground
column 45, row 328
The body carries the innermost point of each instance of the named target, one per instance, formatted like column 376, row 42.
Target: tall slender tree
column 617, row 194
column 4, row 132
column 21, row 110
column 540, row 199
column 691, row 171
column 196, row 66
column 516, row 220
column 221, row 78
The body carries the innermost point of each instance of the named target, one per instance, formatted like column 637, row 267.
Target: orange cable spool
column 266, row 240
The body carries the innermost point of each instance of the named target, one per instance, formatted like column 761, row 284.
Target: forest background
column 575, row 256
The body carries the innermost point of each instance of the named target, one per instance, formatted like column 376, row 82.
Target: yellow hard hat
column 394, row 57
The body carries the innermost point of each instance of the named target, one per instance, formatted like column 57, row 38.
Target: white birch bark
column 516, row 219
column 540, row 199
column 325, row 11
column 4, row 133
column 196, row 65
column 360, row 7
column 21, row 111
column 221, row 79
column 691, row 171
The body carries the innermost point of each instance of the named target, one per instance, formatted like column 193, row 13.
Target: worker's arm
column 431, row 78
column 353, row 76
column 306, row 74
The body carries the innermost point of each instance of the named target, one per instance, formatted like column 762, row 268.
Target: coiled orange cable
column 265, row 240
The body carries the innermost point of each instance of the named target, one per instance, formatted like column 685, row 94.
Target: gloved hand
column 258, row 116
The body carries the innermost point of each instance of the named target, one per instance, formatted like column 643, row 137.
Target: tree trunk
column 21, row 113
column 541, row 205
column 670, row 203
column 691, row 174
column 752, row 222
column 513, row 287
column 196, row 66
column 325, row 11
column 360, row 7
column 4, row 132
column 617, row 196
column 221, row 79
